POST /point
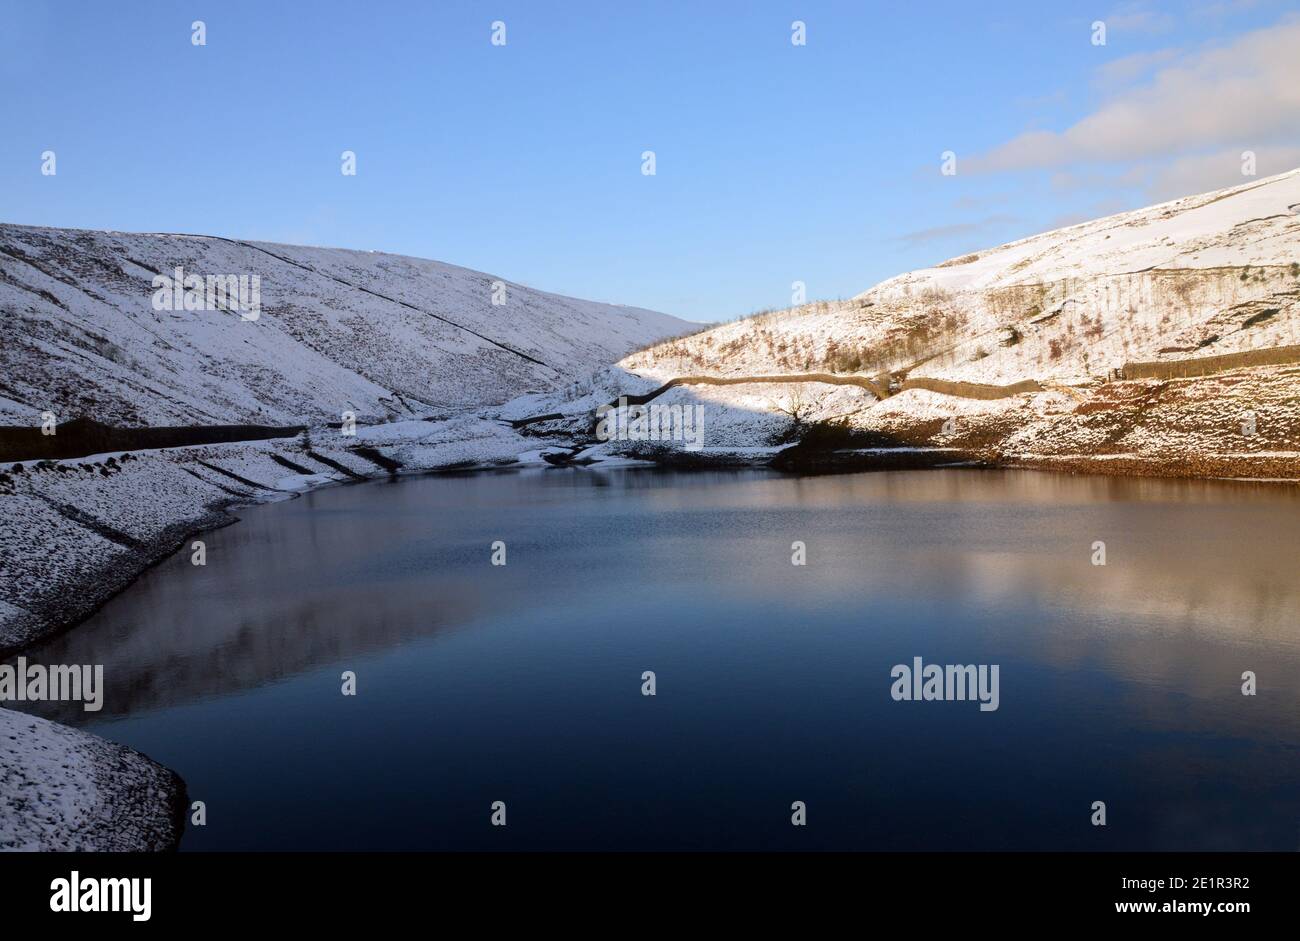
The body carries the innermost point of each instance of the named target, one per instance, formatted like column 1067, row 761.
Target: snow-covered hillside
column 1198, row 276
column 380, row 335
column 1164, row 340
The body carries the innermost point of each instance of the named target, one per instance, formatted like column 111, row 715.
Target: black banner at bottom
column 376, row 890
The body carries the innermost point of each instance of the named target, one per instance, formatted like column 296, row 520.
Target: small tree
column 796, row 401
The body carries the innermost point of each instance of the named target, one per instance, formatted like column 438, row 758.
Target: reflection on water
column 522, row 683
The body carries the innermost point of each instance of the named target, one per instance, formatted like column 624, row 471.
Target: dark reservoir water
column 522, row 683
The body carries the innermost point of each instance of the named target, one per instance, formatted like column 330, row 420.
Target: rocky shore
column 61, row 790
column 82, row 529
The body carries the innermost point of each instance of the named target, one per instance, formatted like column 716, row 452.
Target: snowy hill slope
column 1199, row 276
column 1160, row 341
column 380, row 335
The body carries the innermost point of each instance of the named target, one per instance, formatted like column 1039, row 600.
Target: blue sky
column 775, row 163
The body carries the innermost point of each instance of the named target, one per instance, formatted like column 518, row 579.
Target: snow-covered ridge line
column 1183, row 233
column 380, row 336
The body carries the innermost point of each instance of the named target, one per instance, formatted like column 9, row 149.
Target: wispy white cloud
column 1138, row 17
column 945, row 233
column 1202, row 172
column 969, row 201
column 1220, row 9
column 1243, row 94
column 1128, row 69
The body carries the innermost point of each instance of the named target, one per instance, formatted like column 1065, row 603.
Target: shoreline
column 125, row 565
column 62, row 790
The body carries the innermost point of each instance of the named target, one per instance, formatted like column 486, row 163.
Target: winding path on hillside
column 877, row 389
column 971, row 390
column 1162, row 369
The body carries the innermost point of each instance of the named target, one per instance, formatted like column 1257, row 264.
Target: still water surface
column 522, row 683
